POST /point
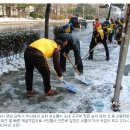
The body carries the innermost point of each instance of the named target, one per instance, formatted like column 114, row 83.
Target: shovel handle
column 54, row 71
column 67, row 57
column 89, row 52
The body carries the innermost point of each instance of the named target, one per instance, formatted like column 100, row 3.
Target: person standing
column 97, row 25
column 106, row 24
column 112, row 27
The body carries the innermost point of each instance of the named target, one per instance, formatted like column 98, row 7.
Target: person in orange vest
column 36, row 55
column 97, row 25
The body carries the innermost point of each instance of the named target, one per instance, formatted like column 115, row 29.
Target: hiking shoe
column 51, row 92
column 107, row 58
column 30, row 93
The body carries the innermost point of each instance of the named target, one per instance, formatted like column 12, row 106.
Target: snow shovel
column 79, row 77
column 83, row 79
column 86, row 57
column 70, row 87
column 67, row 85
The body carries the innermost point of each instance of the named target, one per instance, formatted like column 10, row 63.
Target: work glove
column 61, row 78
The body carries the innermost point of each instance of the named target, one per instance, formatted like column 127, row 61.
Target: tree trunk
column 109, row 13
column 8, row 11
column 3, row 9
column 48, row 8
column 122, row 60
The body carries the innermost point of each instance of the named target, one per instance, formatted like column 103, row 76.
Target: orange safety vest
column 98, row 26
column 46, row 46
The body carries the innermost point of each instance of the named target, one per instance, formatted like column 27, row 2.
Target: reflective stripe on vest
column 46, row 46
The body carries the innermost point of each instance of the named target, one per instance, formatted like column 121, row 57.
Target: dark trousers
column 110, row 37
column 93, row 44
column 34, row 58
column 118, row 37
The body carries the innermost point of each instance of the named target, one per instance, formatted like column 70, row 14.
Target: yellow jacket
column 46, row 46
column 109, row 30
column 101, row 33
column 112, row 26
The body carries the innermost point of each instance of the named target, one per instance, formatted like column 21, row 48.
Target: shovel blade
column 70, row 87
column 83, row 79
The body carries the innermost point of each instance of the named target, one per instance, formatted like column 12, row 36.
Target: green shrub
column 16, row 42
column 34, row 14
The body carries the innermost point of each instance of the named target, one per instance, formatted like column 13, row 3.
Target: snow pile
column 14, row 65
